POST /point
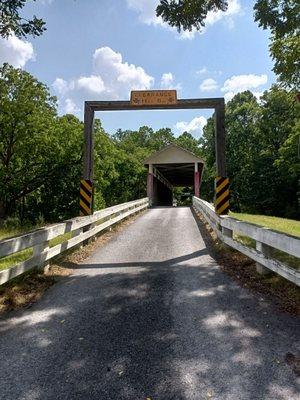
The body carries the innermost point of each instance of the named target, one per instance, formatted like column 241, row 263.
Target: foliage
column 27, row 113
column 289, row 226
column 283, row 19
column 41, row 154
column 261, row 153
column 188, row 14
column 11, row 21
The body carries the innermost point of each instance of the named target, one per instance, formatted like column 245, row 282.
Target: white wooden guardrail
column 265, row 239
column 82, row 228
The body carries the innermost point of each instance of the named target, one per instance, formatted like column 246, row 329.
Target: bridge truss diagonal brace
column 161, row 178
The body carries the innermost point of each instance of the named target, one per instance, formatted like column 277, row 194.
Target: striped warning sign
column 222, row 195
column 86, row 197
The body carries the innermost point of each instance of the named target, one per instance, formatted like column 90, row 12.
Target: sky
column 103, row 49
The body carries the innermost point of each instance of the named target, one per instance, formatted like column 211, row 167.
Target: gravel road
column 149, row 316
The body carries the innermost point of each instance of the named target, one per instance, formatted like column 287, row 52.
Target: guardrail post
column 88, row 228
column 227, row 232
column 41, row 250
column 77, row 232
column 266, row 251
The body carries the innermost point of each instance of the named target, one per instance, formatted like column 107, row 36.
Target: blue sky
column 101, row 49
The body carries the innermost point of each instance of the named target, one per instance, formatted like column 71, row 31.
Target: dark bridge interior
column 171, row 167
column 178, row 174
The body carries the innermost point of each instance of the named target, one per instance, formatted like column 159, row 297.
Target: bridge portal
column 172, row 167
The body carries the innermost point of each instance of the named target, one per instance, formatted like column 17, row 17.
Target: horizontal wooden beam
column 181, row 104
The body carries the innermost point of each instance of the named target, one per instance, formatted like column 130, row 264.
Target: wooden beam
column 220, row 139
column 181, row 104
column 88, row 151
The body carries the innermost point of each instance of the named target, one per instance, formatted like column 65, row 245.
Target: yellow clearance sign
column 153, row 97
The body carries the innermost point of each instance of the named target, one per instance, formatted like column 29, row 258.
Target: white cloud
column 70, row 107
column 111, row 78
column 61, row 86
column 168, row 81
column 15, row 51
column 228, row 96
column 239, row 83
column 208, row 85
column 234, row 8
column 118, row 76
column 195, row 126
column 146, row 10
column 92, row 84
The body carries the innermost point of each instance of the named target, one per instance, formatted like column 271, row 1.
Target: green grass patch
column 8, row 232
column 279, row 255
column 14, row 259
column 285, row 225
column 60, row 239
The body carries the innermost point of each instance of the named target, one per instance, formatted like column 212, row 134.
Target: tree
column 161, row 138
column 57, row 198
column 188, row 142
column 283, row 19
column 280, row 16
column 188, row 14
column 11, row 21
column 261, row 153
column 38, row 150
column 279, row 131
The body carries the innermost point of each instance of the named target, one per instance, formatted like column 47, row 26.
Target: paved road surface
column 149, row 315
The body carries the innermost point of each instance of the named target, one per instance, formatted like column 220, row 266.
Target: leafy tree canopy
column 11, row 21
column 188, row 14
column 282, row 17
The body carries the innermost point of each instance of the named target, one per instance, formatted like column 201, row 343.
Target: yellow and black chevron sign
column 222, row 195
column 86, row 197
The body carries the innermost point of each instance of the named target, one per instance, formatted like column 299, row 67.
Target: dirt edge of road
column 28, row 288
column 282, row 293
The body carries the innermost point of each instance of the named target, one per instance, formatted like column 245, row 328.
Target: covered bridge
column 170, row 167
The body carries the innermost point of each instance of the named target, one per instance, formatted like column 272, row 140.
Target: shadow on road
column 130, row 336
column 178, row 329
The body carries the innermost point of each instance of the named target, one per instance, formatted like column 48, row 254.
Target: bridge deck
column 149, row 315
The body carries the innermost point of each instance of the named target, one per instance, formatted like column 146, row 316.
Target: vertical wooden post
column 42, row 250
column 201, row 169
column 227, row 232
column 196, row 181
column 88, row 151
column 88, row 159
column 220, row 139
column 266, row 251
column 221, row 181
column 150, row 184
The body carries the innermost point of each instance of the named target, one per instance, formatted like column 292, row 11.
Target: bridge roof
column 172, row 154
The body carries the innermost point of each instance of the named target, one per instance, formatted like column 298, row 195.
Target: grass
column 289, row 226
column 243, row 270
column 285, row 225
column 14, row 259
